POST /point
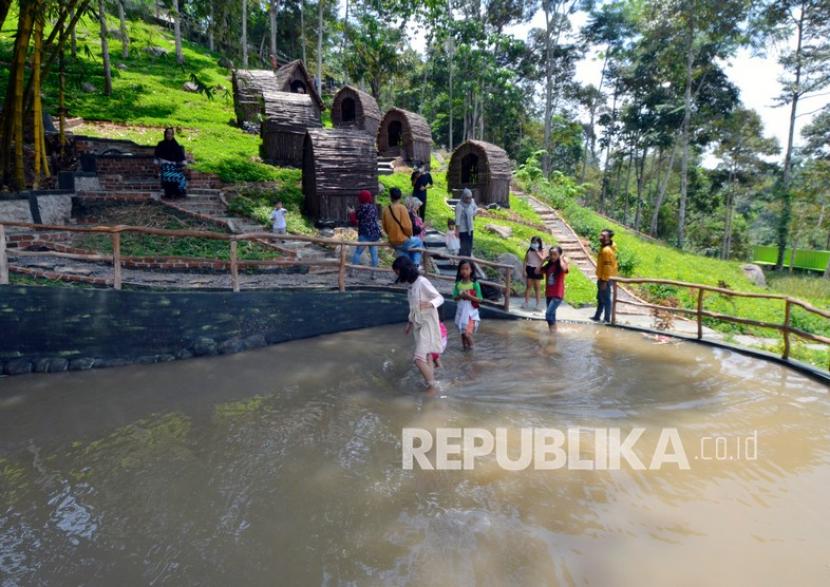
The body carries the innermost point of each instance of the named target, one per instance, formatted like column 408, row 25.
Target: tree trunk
column 245, row 34
column 548, row 88
column 450, row 57
column 177, row 32
column 631, row 157
column 661, row 194
column 62, row 94
column 684, row 137
column 603, row 191
column 125, row 35
column 105, row 48
column 73, row 37
column 302, row 30
column 641, row 173
column 13, row 111
column 786, row 196
column 726, row 248
column 211, row 25
column 272, row 13
column 320, row 47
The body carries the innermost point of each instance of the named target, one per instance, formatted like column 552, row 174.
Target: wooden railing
column 699, row 313
column 341, row 263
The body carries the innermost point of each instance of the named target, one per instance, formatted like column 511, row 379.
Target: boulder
column 18, row 367
column 122, row 66
column 81, row 364
column 190, row 87
column 88, row 87
column 502, row 231
column 755, row 274
column 516, row 263
column 205, row 347
column 156, row 51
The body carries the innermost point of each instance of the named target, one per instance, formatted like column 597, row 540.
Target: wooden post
column 615, row 292
column 234, row 266
column 4, row 259
column 786, row 330
column 508, row 276
column 700, row 313
column 116, row 260
column 425, row 261
column 341, row 277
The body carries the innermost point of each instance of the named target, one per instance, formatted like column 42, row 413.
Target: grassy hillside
column 148, row 96
column 644, row 258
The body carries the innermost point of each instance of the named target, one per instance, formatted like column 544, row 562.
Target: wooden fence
column 786, row 328
column 341, row 263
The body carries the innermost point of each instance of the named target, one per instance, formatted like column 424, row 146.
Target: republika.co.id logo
column 581, row 449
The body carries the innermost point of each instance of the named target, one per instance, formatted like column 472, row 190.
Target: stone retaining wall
column 53, row 329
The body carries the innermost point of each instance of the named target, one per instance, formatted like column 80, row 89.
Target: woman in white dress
column 424, row 323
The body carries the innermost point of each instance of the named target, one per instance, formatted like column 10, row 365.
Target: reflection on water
column 283, row 466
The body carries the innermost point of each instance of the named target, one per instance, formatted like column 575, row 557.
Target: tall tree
column 273, row 6
column 320, row 47
column 245, row 34
column 124, row 32
column 105, row 47
column 804, row 27
column 177, row 32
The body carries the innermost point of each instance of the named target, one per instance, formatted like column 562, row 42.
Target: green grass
column 148, row 96
column 257, row 201
column 579, row 290
column 652, row 259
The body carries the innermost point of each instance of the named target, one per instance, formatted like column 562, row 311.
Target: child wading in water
column 467, row 293
column 554, row 268
column 424, row 323
column 534, row 257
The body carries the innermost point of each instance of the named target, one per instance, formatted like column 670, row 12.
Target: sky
column 756, row 77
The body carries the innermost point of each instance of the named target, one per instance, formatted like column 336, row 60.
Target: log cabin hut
column 337, row 164
column 293, row 77
column 285, row 119
column 407, row 135
column 355, row 109
column 248, row 87
column 485, row 169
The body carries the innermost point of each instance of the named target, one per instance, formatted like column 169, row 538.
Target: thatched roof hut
column 337, row 164
column 286, row 117
column 353, row 108
column 484, row 168
column 248, row 87
column 293, row 77
column 405, row 134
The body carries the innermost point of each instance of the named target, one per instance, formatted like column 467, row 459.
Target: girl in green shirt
column 467, row 294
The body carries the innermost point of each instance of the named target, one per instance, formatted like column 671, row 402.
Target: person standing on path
column 465, row 213
column 606, row 269
column 366, row 220
column 555, row 269
column 421, row 183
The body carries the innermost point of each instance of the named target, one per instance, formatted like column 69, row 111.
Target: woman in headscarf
column 465, row 213
column 170, row 156
column 368, row 230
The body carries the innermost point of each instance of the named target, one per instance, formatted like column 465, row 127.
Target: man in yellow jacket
column 606, row 269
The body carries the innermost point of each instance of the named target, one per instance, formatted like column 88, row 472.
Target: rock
column 231, row 346
column 502, row 231
column 326, row 233
column 165, row 358
column 190, row 87
column 205, row 347
column 122, row 66
column 755, row 274
column 18, row 367
column 58, row 365
column 81, row 364
column 156, row 51
column 147, row 360
column 107, row 363
column 88, row 88
column 255, row 342
column 41, row 366
column 516, row 263
column 184, row 354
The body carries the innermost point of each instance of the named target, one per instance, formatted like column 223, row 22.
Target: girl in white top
column 534, row 257
column 424, row 323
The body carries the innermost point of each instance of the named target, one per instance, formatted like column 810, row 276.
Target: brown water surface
column 283, row 467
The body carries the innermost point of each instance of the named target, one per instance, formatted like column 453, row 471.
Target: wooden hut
column 355, row 109
column 285, row 119
column 405, row 134
column 337, row 164
column 248, row 87
column 293, row 77
column 483, row 168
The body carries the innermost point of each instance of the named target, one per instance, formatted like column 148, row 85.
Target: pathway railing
column 341, row 264
column 786, row 328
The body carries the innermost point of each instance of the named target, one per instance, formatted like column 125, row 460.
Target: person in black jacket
column 170, row 156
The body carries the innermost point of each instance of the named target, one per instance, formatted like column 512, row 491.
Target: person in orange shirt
column 606, row 269
column 397, row 225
